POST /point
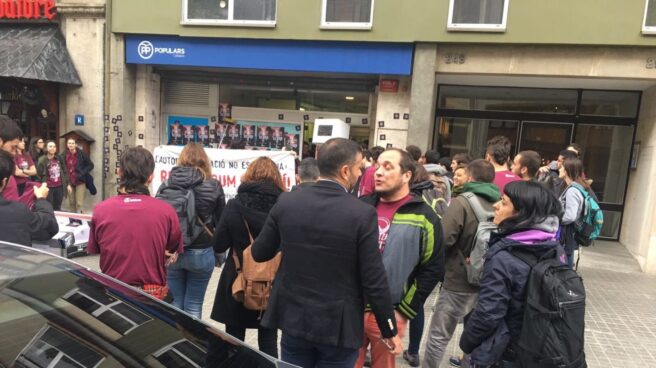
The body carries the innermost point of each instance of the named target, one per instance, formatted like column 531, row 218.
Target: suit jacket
column 20, row 225
column 330, row 266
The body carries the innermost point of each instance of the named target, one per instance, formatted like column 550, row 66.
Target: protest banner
column 227, row 166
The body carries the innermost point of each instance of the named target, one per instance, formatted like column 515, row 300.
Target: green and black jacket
column 413, row 255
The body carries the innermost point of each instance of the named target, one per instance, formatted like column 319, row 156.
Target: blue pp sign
column 79, row 119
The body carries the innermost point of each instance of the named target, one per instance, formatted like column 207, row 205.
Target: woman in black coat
column 260, row 187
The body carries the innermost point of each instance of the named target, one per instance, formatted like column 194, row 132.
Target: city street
column 620, row 311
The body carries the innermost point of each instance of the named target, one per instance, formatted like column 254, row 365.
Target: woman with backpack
column 189, row 276
column 527, row 219
column 573, row 201
column 243, row 216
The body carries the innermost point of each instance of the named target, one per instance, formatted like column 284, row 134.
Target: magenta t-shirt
column 386, row 211
column 501, row 178
column 132, row 232
column 23, row 161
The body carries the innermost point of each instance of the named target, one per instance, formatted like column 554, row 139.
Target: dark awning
column 37, row 52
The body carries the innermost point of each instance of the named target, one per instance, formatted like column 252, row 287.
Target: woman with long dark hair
column 51, row 169
column 572, row 200
column 189, row 276
column 527, row 219
column 259, row 189
column 37, row 148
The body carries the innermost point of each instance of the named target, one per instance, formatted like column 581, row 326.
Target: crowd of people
column 361, row 242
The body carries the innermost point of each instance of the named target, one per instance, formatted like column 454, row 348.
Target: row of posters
column 254, row 135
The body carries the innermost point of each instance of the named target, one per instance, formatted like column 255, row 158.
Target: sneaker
column 455, row 361
column 412, row 359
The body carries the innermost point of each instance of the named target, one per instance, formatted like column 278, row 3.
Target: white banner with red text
column 228, row 166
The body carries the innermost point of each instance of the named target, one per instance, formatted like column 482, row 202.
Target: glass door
column 547, row 139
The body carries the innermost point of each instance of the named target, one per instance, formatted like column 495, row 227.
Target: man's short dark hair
column 414, row 151
column 375, row 152
column 481, row 171
column 432, row 157
column 568, row 154
column 407, row 163
column 499, row 148
column 446, row 162
column 308, row 170
column 531, row 160
column 7, row 166
column 9, row 130
column 137, row 165
column 336, row 153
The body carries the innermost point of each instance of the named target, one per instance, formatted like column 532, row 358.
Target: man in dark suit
column 330, row 266
column 20, row 225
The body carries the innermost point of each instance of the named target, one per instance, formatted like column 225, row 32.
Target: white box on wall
column 325, row 129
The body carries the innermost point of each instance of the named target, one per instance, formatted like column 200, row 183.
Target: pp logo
column 145, row 50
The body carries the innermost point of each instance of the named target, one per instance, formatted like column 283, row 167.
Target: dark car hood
column 93, row 318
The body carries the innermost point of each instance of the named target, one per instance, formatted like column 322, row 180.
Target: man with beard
column 410, row 240
column 330, row 265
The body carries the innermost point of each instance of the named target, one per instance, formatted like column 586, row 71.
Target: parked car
column 57, row 313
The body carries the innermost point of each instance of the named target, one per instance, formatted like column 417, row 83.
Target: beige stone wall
column 552, row 61
column 83, row 27
column 147, row 108
column 639, row 225
column 390, row 109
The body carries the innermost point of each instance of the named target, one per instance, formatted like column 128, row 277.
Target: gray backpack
column 479, row 246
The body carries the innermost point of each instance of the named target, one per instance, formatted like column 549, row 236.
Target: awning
column 36, row 52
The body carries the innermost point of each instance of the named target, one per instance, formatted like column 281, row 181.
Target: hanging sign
column 28, row 9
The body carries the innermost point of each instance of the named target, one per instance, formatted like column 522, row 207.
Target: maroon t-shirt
column 54, row 173
column 132, row 232
column 386, row 211
column 501, row 178
column 367, row 182
column 23, row 161
column 71, row 167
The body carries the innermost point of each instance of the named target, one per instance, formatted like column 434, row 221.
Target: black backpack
column 183, row 201
column 553, row 325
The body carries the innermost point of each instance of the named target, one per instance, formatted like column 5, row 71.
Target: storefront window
column 291, row 99
column 347, row 13
column 478, row 15
column 262, row 12
column 608, row 103
column 457, row 135
column 535, row 100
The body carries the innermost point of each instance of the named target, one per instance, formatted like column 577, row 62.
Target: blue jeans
column 307, row 354
column 188, row 279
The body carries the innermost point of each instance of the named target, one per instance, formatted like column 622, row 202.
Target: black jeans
column 267, row 339
column 307, row 354
column 56, row 196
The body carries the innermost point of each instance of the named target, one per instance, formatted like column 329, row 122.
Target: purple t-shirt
column 132, row 232
column 54, row 173
column 501, row 178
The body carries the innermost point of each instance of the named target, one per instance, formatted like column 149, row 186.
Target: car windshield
column 56, row 313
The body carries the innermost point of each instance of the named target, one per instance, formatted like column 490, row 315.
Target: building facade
column 444, row 75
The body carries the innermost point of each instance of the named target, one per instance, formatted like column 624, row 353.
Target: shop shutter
column 187, row 93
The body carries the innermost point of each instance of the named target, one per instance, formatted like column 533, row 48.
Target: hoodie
column 496, row 320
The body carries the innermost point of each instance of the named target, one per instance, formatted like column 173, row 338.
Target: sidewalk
column 620, row 312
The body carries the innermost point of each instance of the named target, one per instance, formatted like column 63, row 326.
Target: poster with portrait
column 271, row 136
column 184, row 129
column 203, row 135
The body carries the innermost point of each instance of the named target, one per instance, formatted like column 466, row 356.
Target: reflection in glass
column 478, row 11
column 255, row 10
column 351, row 11
column 207, row 9
column 547, row 139
column 456, row 135
column 536, row 100
column 609, row 103
column 606, row 157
